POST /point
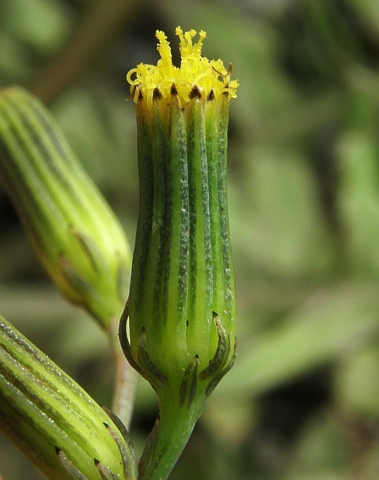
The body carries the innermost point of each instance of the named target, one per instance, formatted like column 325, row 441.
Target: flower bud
column 74, row 232
column 182, row 301
column 53, row 420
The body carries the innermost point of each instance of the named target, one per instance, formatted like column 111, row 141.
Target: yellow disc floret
column 196, row 76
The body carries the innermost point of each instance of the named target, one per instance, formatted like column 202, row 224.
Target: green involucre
column 182, row 270
column 181, row 306
column 52, row 419
column 76, row 235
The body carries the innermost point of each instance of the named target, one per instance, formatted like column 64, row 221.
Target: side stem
column 125, row 381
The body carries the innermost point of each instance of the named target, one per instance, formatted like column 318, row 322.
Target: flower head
column 53, row 420
column 75, row 234
column 196, row 75
column 181, row 307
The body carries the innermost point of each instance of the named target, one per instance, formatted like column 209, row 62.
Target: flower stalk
column 181, row 308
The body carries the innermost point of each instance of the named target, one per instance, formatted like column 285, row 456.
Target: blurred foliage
column 302, row 401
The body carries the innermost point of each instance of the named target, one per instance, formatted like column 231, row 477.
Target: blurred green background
column 302, row 402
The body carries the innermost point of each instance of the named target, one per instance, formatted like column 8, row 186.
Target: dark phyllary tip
column 157, row 94
column 195, row 92
column 211, row 95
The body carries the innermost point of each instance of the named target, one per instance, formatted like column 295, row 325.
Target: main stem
column 168, row 438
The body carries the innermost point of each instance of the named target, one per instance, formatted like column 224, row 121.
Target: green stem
column 125, row 381
column 168, row 438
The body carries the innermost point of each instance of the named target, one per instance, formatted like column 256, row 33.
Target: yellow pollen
column 208, row 77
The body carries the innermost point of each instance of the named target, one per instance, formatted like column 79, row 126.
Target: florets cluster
column 196, row 77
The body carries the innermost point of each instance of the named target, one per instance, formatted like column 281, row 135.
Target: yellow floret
column 208, row 78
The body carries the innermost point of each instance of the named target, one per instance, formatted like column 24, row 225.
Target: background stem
column 95, row 32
